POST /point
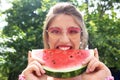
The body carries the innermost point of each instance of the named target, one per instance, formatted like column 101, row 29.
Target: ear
column 96, row 53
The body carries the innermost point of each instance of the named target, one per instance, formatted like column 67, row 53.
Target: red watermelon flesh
column 62, row 63
column 60, row 59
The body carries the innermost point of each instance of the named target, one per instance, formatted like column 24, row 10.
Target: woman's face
column 64, row 33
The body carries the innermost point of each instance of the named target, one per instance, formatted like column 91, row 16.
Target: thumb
column 29, row 57
column 96, row 53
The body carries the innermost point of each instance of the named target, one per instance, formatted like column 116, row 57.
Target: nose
column 65, row 38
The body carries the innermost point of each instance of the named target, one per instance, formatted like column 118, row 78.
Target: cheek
column 77, row 42
column 52, row 43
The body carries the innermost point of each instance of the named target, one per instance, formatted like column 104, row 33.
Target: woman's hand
column 96, row 70
column 34, row 70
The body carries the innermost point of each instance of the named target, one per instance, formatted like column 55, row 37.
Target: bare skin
column 96, row 70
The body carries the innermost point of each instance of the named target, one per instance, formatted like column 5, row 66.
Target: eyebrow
column 54, row 27
column 60, row 27
column 74, row 28
column 57, row 28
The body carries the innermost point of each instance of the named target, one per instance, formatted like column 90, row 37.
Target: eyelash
column 70, row 31
column 73, row 31
column 55, row 31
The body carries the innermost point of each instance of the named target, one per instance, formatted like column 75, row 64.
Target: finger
column 89, row 65
column 38, row 65
column 96, row 53
column 33, row 68
column 94, row 63
column 86, row 61
column 29, row 57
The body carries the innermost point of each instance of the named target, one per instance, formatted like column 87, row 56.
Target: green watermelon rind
column 64, row 74
column 67, row 72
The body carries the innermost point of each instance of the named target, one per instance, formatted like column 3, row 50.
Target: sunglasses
column 56, row 32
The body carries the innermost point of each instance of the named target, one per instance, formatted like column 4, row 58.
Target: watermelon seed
column 53, row 61
column 71, row 56
column 77, row 52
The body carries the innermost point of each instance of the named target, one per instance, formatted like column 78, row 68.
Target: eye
column 55, row 31
column 73, row 31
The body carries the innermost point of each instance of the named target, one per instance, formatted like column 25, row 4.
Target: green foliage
column 104, row 34
column 24, row 30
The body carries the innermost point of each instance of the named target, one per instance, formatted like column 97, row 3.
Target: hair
column 68, row 9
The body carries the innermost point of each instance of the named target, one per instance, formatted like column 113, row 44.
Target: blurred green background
column 23, row 31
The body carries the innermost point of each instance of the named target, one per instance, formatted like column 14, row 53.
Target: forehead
column 63, row 20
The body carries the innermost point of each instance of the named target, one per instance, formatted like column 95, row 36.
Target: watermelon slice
column 63, row 63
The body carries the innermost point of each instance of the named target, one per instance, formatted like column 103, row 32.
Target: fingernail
column 43, row 71
column 29, row 51
column 95, row 48
column 91, row 70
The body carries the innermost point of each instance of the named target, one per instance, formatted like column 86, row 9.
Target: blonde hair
column 68, row 9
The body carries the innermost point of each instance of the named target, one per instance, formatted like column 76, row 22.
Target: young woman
column 64, row 29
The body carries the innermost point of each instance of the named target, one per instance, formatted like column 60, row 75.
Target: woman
column 64, row 29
